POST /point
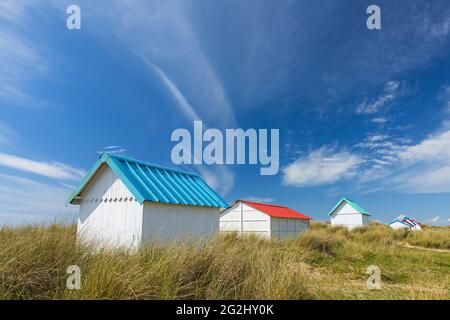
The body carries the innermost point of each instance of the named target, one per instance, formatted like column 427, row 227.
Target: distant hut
column 403, row 222
column 349, row 214
column 266, row 220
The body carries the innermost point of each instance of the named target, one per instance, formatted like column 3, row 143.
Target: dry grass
column 433, row 237
column 324, row 263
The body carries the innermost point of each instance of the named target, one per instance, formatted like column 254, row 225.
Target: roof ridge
column 352, row 203
column 150, row 182
column 348, row 199
column 264, row 204
column 145, row 163
column 277, row 211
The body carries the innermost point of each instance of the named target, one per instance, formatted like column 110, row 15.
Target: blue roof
column 396, row 220
column 352, row 203
column 155, row 183
column 401, row 219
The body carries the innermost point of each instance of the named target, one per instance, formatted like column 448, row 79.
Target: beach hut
column 266, row 220
column 125, row 202
column 403, row 222
column 349, row 214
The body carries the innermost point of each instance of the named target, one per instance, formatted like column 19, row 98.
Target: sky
column 362, row 113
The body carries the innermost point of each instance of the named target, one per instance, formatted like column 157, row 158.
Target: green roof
column 354, row 205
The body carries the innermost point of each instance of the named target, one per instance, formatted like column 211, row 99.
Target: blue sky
column 361, row 113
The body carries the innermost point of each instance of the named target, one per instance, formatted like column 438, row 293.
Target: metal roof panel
column 156, row 183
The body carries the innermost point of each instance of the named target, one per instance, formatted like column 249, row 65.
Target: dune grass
column 324, row 263
column 434, row 237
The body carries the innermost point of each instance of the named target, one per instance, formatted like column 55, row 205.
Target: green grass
column 324, row 263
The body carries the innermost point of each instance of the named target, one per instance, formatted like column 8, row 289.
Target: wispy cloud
column 8, row 135
column 433, row 28
column 438, row 221
column 23, row 200
column 321, row 167
column 219, row 178
column 397, row 164
column 185, row 106
column 383, row 147
column 434, row 148
column 380, row 120
column 382, row 162
column 425, row 166
column 54, row 170
column 390, row 92
column 259, row 199
column 112, row 149
column 21, row 58
column 175, row 52
column 11, row 9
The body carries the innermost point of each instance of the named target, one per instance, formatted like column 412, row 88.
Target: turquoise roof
column 396, row 220
column 355, row 206
column 155, row 183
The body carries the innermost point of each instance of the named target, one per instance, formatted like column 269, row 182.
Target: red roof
column 276, row 211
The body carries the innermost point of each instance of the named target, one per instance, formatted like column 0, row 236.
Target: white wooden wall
column 288, row 228
column 346, row 215
column 168, row 222
column 365, row 219
column 244, row 219
column 109, row 215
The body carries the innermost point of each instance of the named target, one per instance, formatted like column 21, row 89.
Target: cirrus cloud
column 390, row 92
column 54, row 170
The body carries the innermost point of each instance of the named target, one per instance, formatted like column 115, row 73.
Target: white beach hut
column 266, row 220
column 349, row 214
column 403, row 222
column 124, row 202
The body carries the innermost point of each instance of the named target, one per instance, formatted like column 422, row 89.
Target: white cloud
column 27, row 201
column 379, row 120
column 220, row 178
column 391, row 91
column 320, row 167
column 21, row 58
column 112, row 149
column 11, row 9
column 175, row 53
column 432, row 149
column 422, row 179
column 438, row 221
column 377, row 137
column 48, row 169
column 396, row 164
column 259, row 199
column 7, row 134
column 390, row 163
column 184, row 105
